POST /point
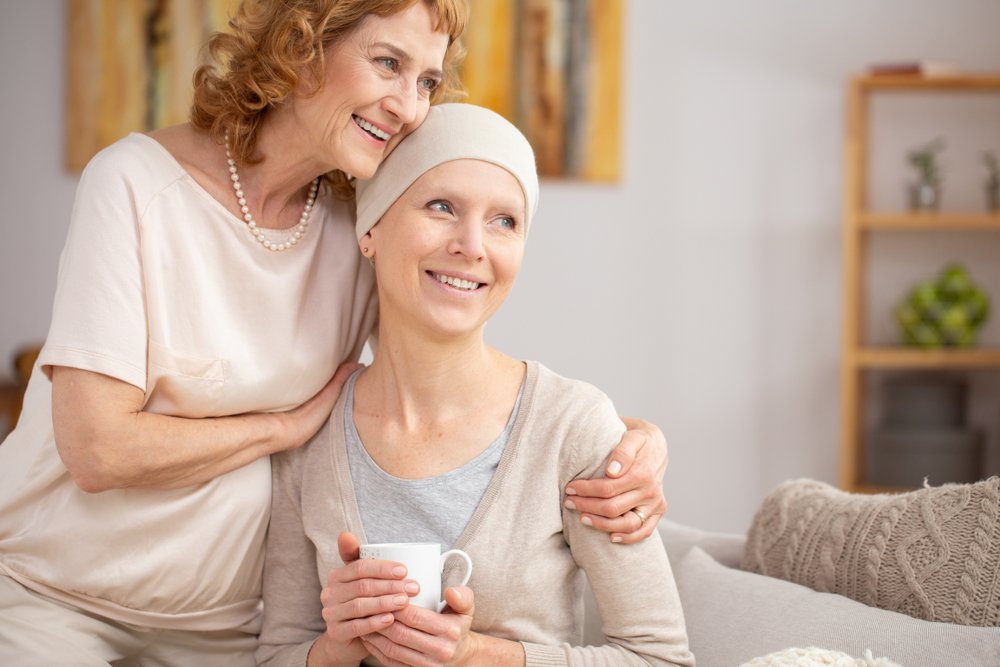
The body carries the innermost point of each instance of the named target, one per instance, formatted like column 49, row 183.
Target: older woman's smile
column 372, row 129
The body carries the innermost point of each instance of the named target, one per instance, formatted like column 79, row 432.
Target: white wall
column 702, row 292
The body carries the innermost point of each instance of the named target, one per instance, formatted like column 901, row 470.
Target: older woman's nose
column 404, row 101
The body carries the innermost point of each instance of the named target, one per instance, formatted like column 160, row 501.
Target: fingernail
column 570, row 505
column 570, row 491
column 585, row 520
column 411, row 587
column 458, row 593
column 399, row 600
column 616, row 539
column 614, row 468
column 399, row 571
column 386, row 619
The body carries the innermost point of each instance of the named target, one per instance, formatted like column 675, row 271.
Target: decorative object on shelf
column 923, row 68
column 925, row 194
column 946, row 312
column 992, row 182
column 924, row 434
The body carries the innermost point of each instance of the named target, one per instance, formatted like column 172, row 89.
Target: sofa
column 884, row 579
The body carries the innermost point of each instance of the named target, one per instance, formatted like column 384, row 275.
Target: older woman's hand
column 629, row 502
column 424, row 638
column 359, row 599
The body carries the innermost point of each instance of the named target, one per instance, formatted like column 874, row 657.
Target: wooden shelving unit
column 858, row 357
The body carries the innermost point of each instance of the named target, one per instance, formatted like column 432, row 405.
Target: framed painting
column 130, row 65
column 552, row 67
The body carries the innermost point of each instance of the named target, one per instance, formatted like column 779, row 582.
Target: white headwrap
column 450, row 132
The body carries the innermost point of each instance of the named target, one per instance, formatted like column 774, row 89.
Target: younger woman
column 448, row 440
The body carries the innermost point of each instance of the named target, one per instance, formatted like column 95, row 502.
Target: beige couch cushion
column 933, row 553
column 733, row 616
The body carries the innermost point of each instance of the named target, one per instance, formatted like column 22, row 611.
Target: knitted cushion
column 932, row 554
column 814, row 657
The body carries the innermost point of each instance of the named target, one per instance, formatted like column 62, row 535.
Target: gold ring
column 638, row 513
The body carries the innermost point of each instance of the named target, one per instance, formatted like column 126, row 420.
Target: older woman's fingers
column 631, row 526
column 625, row 453
column 643, row 532
column 639, row 477
column 610, row 508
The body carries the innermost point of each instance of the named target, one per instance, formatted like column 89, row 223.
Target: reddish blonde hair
column 270, row 45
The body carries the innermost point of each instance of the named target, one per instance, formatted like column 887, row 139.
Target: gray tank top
column 432, row 509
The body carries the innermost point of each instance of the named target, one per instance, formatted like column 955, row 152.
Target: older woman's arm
column 633, row 481
column 107, row 441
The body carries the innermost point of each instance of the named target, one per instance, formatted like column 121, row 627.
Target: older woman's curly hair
column 271, row 43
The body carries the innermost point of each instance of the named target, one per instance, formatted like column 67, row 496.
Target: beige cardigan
column 529, row 553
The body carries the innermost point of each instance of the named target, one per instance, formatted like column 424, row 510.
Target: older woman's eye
column 440, row 206
column 389, row 63
column 429, row 84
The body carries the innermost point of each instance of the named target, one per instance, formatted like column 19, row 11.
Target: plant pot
column 925, row 197
column 924, row 403
column 903, row 457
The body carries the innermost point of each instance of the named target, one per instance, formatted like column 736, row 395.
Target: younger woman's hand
column 359, row 599
column 424, row 638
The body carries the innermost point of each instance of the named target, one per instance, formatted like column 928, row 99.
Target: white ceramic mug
column 424, row 564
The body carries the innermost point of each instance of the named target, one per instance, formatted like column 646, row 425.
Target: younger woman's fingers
column 392, row 654
column 358, row 627
column 359, row 608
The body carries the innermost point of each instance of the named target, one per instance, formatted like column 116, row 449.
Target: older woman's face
column 449, row 249
column 378, row 83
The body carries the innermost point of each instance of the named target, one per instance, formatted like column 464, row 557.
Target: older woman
column 445, row 439
column 208, row 291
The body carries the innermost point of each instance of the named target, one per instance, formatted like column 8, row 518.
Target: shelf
column 963, row 83
column 871, row 489
column 946, row 221
column 860, row 225
column 918, row 358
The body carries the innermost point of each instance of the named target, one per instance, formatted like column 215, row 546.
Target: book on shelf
column 915, row 68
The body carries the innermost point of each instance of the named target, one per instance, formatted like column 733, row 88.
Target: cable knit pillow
column 933, row 553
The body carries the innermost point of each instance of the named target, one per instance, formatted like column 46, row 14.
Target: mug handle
column 468, row 570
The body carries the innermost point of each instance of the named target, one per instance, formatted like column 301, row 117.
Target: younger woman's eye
column 440, row 206
column 507, row 222
column 389, row 63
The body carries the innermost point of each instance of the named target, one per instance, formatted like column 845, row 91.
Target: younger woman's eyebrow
column 404, row 57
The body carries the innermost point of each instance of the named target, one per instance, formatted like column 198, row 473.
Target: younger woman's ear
column 367, row 246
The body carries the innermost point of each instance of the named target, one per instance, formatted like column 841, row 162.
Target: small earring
column 364, row 251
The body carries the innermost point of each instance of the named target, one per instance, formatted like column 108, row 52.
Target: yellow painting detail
column 552, row 67
column 130, row 65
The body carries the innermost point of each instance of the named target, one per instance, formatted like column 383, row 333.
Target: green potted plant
column 992, row 181
column 925, row 194
column 944, row 312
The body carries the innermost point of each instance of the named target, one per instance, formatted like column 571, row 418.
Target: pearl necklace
column 297, row 231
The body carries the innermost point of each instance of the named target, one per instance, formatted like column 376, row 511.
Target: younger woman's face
column 449, row 249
